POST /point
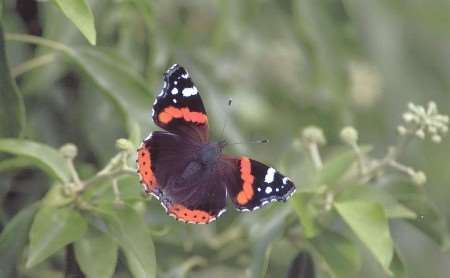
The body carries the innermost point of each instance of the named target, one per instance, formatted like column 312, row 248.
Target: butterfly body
column 190, row 175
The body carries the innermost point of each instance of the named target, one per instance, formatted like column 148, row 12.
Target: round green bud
column 349, row 135
column 124, row 145
column 313, row 134
column 69, row 151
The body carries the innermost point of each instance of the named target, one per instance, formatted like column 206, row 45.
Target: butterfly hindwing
column 253, row 184
column 179, row 108
column 169, row 170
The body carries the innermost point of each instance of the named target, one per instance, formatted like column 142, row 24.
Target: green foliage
column 340, row 254
column 80, row 14
column 13, row 240
column 127, row 228
column 52, row 229
column 96, row 254
column 43, row 156
column 358, row 211
column 12, row 109
column 370, row 224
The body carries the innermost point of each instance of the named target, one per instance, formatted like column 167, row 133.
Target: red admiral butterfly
column 189, row 174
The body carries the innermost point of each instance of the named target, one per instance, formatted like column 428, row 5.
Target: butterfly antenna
column 261, row 141
column 230, row 101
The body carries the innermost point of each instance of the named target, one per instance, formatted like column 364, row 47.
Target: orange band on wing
column 182, row 213
column 246, row 194
column 170, row 113
column 145, row 168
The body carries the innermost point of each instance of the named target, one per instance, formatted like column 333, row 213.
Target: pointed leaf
column 340, row 254
column 128, row 229
column 370, row 224
column 392, row 208
column 96, row 254
column 52, row 229
column 337, row 166
column 117, row 80
column 80, row 14
column 13, row 239
column 43, row 156
column 302, row 266
column 262, row 236
column 12, row 108
column 430, row 220
column 305, row 214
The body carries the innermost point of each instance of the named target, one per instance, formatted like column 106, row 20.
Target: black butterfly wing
column 251, row 184
column 179, row 108
column 170, row 171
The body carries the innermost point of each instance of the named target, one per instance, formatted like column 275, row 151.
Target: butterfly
column 190, row 175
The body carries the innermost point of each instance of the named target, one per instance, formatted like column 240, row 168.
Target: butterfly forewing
column 178, row 108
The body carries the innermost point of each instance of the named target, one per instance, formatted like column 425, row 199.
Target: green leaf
column 43, row 156
column 56, row 197
column 370, row 193
column 14, row 163
column 262, row 236
column 370, row 224
column 118, row 81
column 12, row 108
column 339, row 253
column 302, row 266
column 80, row 14
column 13, row 239
column 398, row 266
column 128, row 229
column 52, row 229
column 337, row 166
column 96, row 254
column 334, row 168
column 305, row 214
column 430, row 220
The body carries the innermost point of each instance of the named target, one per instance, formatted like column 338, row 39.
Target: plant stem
column 99, row 178
column 402, row 168
column 361, row 158
column 315, row 155
column 39, row 41
column 73, row 173
column 32, row 64
column 116, row 191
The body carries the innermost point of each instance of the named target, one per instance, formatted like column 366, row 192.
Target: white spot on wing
column 268, row 190
column 174, row 100
column 155, row 102
column 175, row 82
column 148, row 137
column 175, row 91
column 285, row 179
column 187, row 92
column 259, row 189
column 269, row 175
column 185, row 76
column 153, row 112
column 221, row 212
column 165, row 84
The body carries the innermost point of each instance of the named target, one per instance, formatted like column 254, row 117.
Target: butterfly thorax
column 210, row 152
column 204, row 162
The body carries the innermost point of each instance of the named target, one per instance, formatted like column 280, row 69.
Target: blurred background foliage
column 86, row 72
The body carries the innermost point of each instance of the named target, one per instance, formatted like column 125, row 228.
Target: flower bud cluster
column 421, row 121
